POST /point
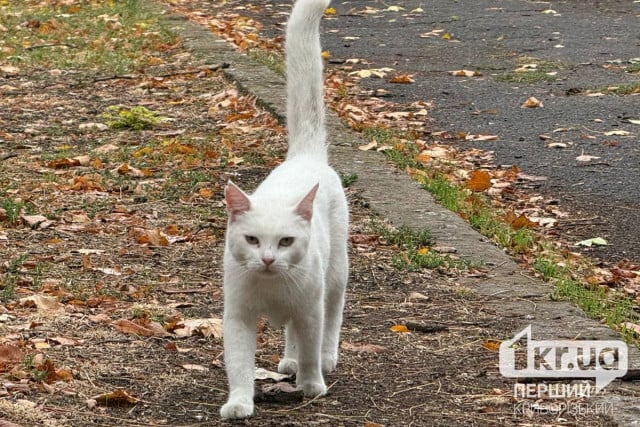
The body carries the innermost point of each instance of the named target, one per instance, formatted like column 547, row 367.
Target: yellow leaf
column 423, row 250
column 531, row 102
column 205, row 193
column 491, row 345
column 446, row 36
column 325, row 54
column 399, row 328
column 330, row 11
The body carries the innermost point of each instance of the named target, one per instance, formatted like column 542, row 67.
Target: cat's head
column 268, row 235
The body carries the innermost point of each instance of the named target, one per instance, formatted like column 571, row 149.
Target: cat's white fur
column 286, row 244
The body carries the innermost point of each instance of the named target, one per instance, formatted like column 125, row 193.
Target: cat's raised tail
column 305, row 104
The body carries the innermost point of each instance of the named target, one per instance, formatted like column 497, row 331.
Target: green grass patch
column 414, row 247
column 622, row 89
column 269, row 59
column 109, row 36
column 528, row 77
column 348, row 179
column 134, row 118
column 9, row 280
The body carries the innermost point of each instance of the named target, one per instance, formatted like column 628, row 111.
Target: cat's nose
column 268, row 260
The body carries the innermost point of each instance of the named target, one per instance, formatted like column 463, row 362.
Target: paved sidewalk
column 518, row 297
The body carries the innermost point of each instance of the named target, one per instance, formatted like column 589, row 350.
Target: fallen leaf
column 399, row 328
column 209, row 327
column 150, row 329
column 44, row 303
column 464, row 73
column 404, row 78
column 264, row 374
column 371, row 72
column 280, row 387
column 369, row 146
column 617, row 133
column 115, row 398
column 532, row 102
column 596, row 241
column 491, row 345
column 63, row 163
column 479, row 181
column 520, row 221
column 586, row 158
column 194, row 367
column 480, row 137
column 9, row 354
column 557, row 145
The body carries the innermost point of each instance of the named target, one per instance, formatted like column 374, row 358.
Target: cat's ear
column 305, row 207
column 237, row 201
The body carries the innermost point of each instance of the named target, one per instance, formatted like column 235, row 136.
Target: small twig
column 8, row 156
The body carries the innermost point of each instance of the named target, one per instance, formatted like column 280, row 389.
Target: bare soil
column 148, row 247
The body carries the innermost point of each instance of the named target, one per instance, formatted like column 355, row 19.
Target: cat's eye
column 286, row 241
column 252, row 240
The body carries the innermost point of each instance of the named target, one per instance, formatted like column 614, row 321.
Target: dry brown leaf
column 115, row 398
column 149, row 237
column 404, row 78
column 492, row 345
column 9, row 356
column 45, row 304
column 149, row 329
column 518, row 222
column 464, row 73
column 63, row 163
column 210, row 327
column 52, row 374
column 532, row 102
column 479, row 181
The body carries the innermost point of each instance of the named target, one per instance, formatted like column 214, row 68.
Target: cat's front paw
column 314, row 389
column 288, row 366
column 236, row 409
column 329, row 362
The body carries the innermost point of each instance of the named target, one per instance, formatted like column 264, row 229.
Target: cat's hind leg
column 334, row 305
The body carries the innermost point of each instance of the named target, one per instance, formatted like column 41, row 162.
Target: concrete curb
column 522, row 299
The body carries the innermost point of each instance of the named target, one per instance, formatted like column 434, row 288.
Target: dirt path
column 98, row 295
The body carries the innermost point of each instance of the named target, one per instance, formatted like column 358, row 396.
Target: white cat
column 286, row 244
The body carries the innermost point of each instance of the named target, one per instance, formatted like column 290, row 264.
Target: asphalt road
column 587, row 44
